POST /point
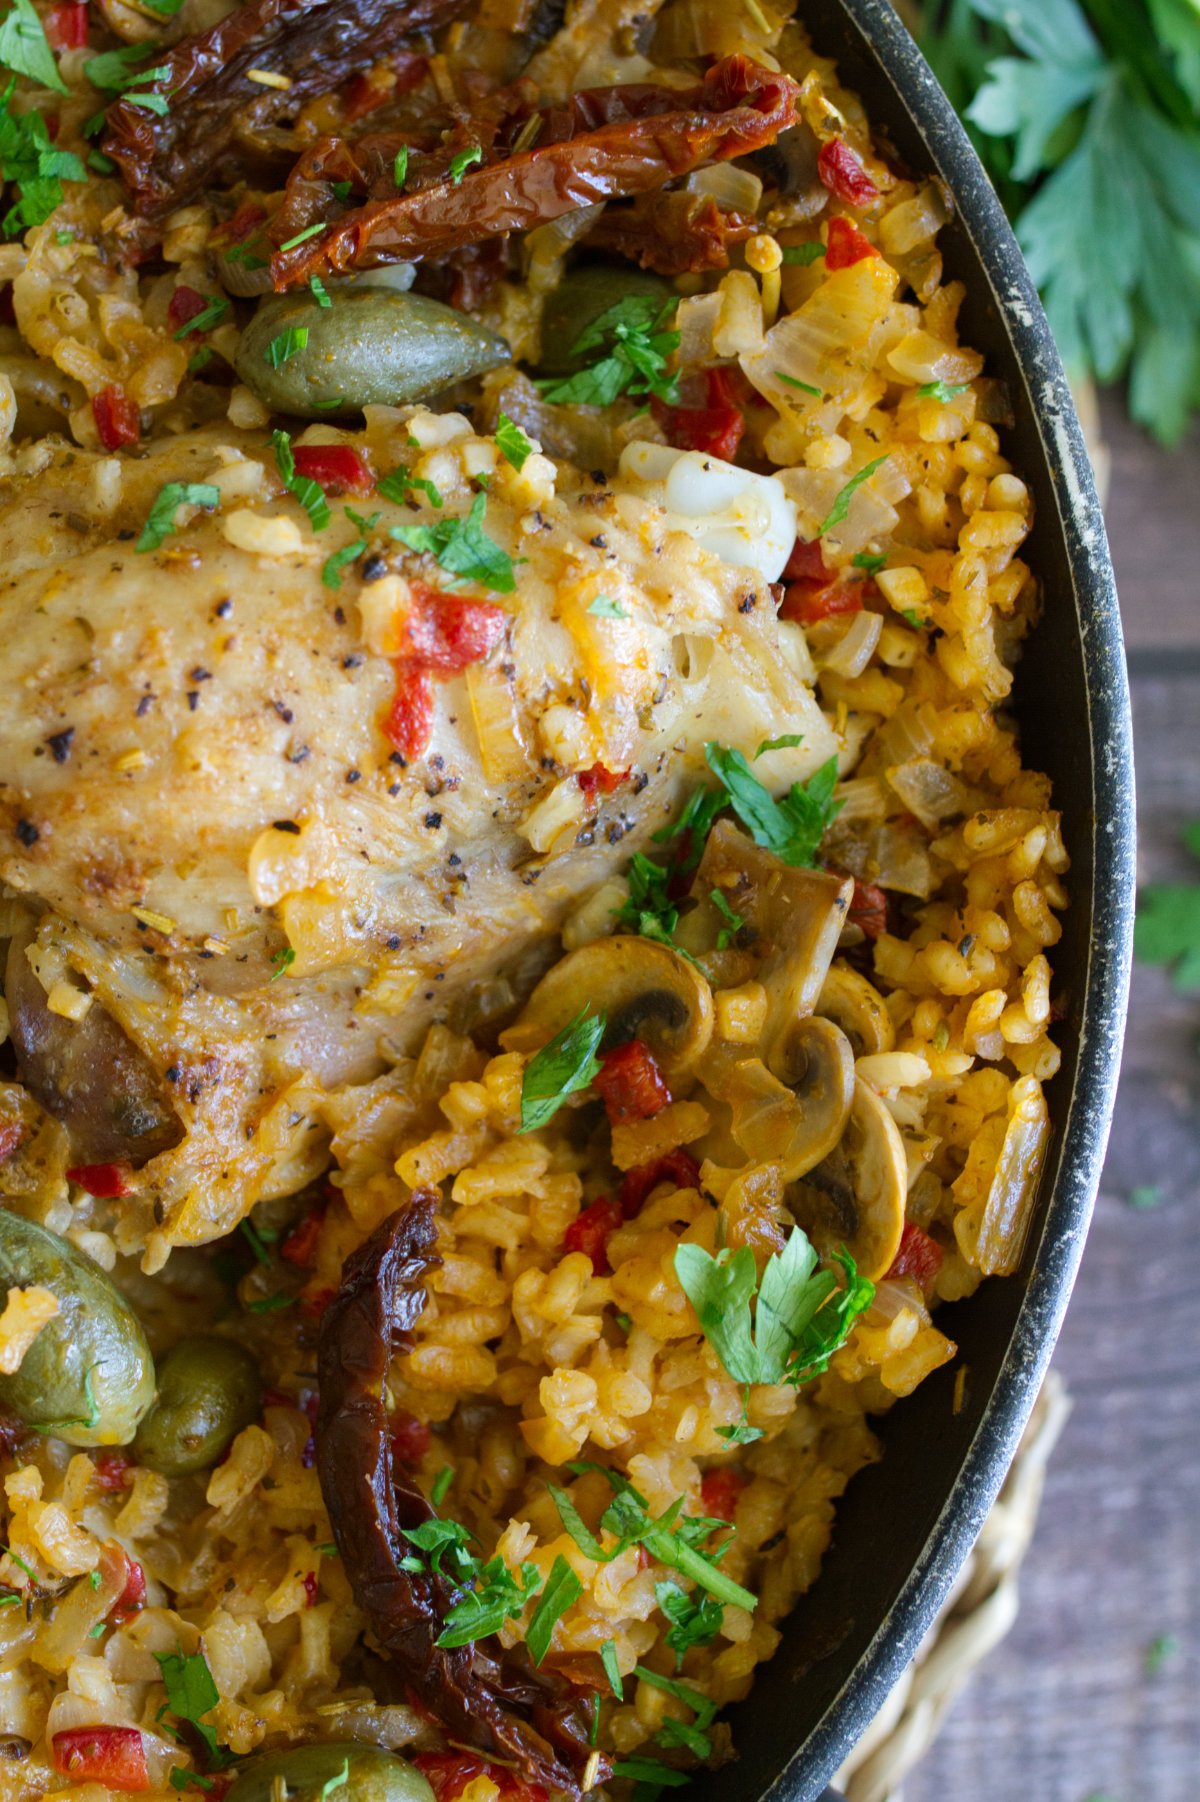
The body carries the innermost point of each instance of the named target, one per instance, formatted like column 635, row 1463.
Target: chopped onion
column 398, row 277
column 546, row 246
column 914, row 221
column 735, row 190
column 892, row 1294
column 920, row 357
column 851, row 655
column 824, row 345
column 903, row 861
column 928, row 790
column 905, row 735
column 696, row 322
column 862, row 801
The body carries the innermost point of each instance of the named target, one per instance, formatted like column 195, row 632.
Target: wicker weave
column 978, row 1613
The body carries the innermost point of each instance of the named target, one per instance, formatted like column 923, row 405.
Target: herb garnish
column 463, row 547
column 612, row 1670
column 563, row 1588
column 442, row 1484
column 25, row 49
column 191, row 1693
column 397, row 487
column 285, row 344
column 463, row 161
column 310, row 231
column 672, row 1733
column 941, row 391
column 160, row 521
column 30, row 160
column 792, row 381
column 733, row 920
column 319, row 291
column 511, row 442
column 204, row 321
column 841, row 506
column 871, row 561
column 636, row 343
column 335, row 563
column 400, row 166
column 695, row 1620
column 563, row 1067
column 792, row 826
column 283, row 959
column 605, row 608
column 112, row 71
column 804, row 254
column 674, row 1538
column 307, row 490
column 1167, row 930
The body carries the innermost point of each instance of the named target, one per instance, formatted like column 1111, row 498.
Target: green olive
column 88, row 1377
column 340, row 1769
column 208, row 1390
column 579, row 300
column 372, row 347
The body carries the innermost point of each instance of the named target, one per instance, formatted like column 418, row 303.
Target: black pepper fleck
column 125, row 534
column 433, row 821
column 374, row 568
column 28, row 833
column 298, row 753
column 454, row 860
column 599, row 542
column 393, row 941
column 747, row 603
column 285, row 826
column 354, row 660
column 285, row 713
column 353, row 775
column 200, row 674
column 393, row 788
column 173, row 1073
column 339, row 614
column 60, row 744
column 223, row 608
column 193, row 699
column 144, row 705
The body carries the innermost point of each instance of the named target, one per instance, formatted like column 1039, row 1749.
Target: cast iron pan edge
column 850, row 1638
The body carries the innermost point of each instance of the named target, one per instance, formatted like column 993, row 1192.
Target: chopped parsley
column 319, row 291
column 270, row 1304
column 652, row 1774
column 563, row 1067
column 941, row 391
column 20, row 1562
column 563, row 1588
column 692, row 1737
column 306, row 489
column 442, row 1484
column 792, row 381
column 803, row 254
column 342, row 189
column 793, row 826
column 339, row 1780
column 605, row 608
column 913, row 617
column 204, row 321
column 335, row 563
column 191, row 1693
column 201, row 359
column 733, row 920
column 285, row 344
column 25, row 49
column 694, row 1620
column 841, row 506
column 648, row 908
column 160, row 521
column 612, row 1670
column 400, row 166
column 871, row 561
column 255, row 1240
column 113, row 71
column 283, row 959
column 464, row 548
column 635, row 342
column 1167, row 930
column 511, row 442
column 310, row 231
column 397, row 487
column 463, row 161
column 29, row 159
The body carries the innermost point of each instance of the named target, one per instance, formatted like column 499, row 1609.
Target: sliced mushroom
column 855, row 1197
column 792, row 920
column 858, row 1008
column 797, row 1121
column 645, row 990
column 88, row 1074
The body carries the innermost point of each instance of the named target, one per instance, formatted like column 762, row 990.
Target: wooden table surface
column 1065, row 1710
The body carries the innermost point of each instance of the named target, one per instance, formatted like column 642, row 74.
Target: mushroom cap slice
column 856, row 1196
column 858, row 1008
column 796, row 1122
column 792, row 920
column 645, row 990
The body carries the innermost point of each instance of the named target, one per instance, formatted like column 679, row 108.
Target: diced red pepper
column 600, row 781
column 310, row 1589
column 67, row 26
column 808, row 602
column 589, row 1232
column 631, row 1083
column 299, row 1246
column 449, row 1773
column 133, row 1596
column 410, row 1437
column 10, row 1138
column 447, row 634
column 844, row 175
column 110, row 1469
column 112, row 1755
column 719, row 1491
column 336, row 466
column 105, row 1181
column 185, row 305
column 919, row 1256
column 117, row 419
column 716, row 429
column 807, row 563
column 678, row 1167
column 868, row 909
column 846, row 245
column 409, row 721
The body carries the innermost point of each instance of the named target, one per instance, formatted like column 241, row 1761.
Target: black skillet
column 906, row 1525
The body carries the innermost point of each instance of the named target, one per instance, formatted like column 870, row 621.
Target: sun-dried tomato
column 719, row 1491
column 449, row 1773
column 678, row 1167
column 117, row 419
column 105, row 1181
column 133, row 1596
column 112, row 1755
column 111, row 1469
column 408, row 724
column 919, row 1256
column 807, row 563
column 600, row 781
column 311, row 1587
column 846, row 245
column 185, row 305
column 868, row 909
column 631, row 1083
column 844, row 175
column 244, row 223
column 67, row 26
column 716, row 429
column 590, row 1231
column 363, row 93
column 338, row 467
column 410, row 1437
column 300, row 1244
column 808, row 602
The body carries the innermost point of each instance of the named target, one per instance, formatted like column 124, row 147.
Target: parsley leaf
column 463, row 161
column 791, row 381
column 442, row 1484
column 650, row 1772
column 563, row 1067
column 563, row 1588
column 112, row 71
column 793, row 826
column 310, row 231
column 941, row 391
column 871, row 561
column 1167, row 930
column 511, row 442
column 636, row 343
column 335, row 563
column 204, row 321
column 397, row 487
column 285, row 344
column 804, row 254
column 29, row 159
column 25, row 49
column 674, row 1538
column 497, row 1597
column 694, row 1620
column 608, row 1658
column 692, row 1737
column 160, row 521
column 733, row 920
column 464, row 548
column 841, row 505
column 605, row 608
column 307, row 490
column 320, row 292
column 191, row 1693
column 400, row 166
column 802, row 1316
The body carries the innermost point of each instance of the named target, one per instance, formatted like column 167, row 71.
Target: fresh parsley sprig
column 25, row 48
column 563, row 1067
column 160, row 521
column 335, row 563
column 306, row 489
column 36, row 167
column 511, row 442
column 636, row 344
column 191, row 1694
column 792, row 826
column 463, row 547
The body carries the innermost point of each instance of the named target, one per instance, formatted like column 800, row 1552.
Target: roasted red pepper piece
column 410, row 1437
column 409, row 721
column 807, row 563
column 105, row 1181
column 449, row 1773
column 809, row 602
column 719, row 1491
column 446, row 635
column 919, row 1257
column 590, row 1231
column 604, row 144
column 844, row 175
column 600, row 781
column 846, row 245
column 338, row 467
column 716, row 429
column 868, row 909
column 111, row 1469
column 630, row 1083
column 112, row 1755
column 133, row 1596
column 185, row 305
column 299, row 1246
column 116, row 416
column 678, row 1167
column 67, row 27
